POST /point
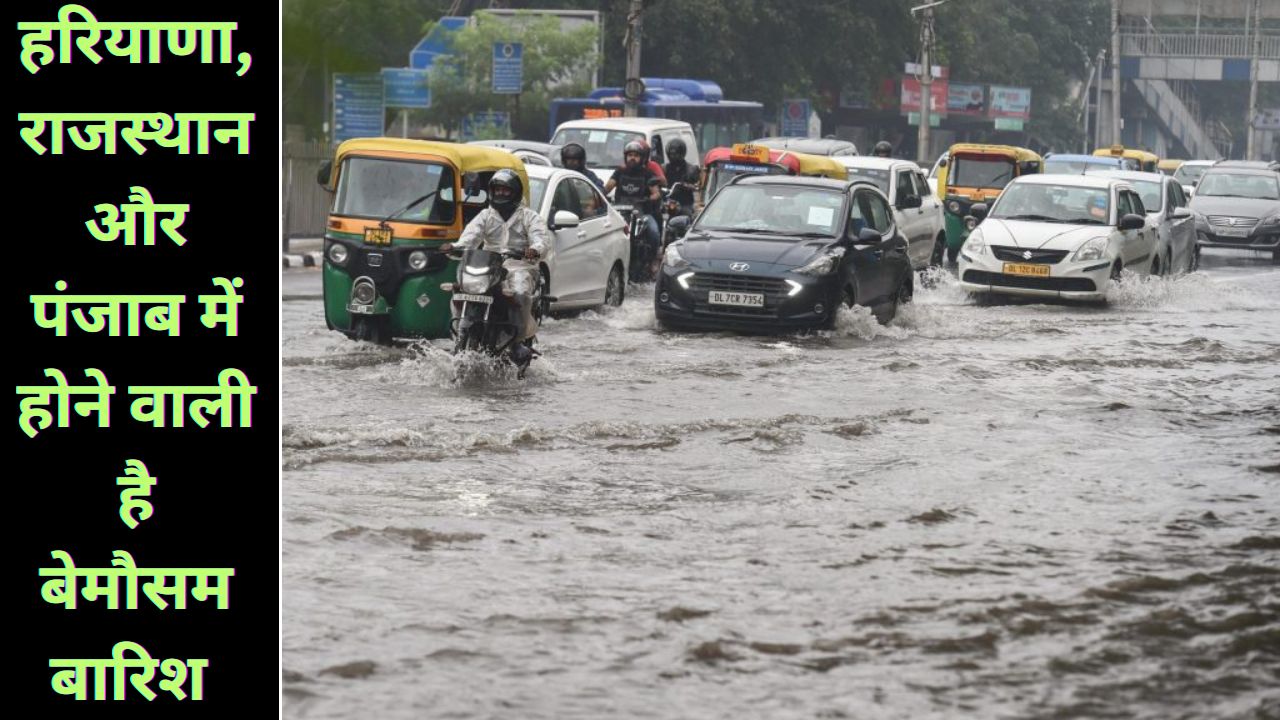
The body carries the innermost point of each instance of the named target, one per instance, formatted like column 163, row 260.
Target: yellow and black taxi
column 779, row 253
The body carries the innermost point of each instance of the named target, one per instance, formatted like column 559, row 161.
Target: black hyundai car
column 778, row 253
column 1240, row 208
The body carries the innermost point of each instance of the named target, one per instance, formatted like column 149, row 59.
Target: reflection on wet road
column 1022, row 510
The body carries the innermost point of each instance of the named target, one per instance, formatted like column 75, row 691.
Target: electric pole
column 1252, row 138
column 1115, row 72
column 634, row 86
column 923, row 156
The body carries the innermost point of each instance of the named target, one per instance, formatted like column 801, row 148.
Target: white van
column 604, row 139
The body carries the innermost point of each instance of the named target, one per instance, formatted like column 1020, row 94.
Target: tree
column 555, row 62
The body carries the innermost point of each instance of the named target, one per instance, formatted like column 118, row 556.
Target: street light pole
column 926, row 79
column 1252, row 138
column 630, row 96
column 1115, row 72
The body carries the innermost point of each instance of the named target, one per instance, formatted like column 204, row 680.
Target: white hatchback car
column 1066, row 236
column 587, row 264
column 917, row 211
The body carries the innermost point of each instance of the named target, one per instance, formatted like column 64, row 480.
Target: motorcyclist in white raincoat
column 508, row 225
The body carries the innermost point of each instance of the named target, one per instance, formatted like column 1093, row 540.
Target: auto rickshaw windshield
column 980, row 172
column 385, row 188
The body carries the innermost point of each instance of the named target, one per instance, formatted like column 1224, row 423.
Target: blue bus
column 700, row 103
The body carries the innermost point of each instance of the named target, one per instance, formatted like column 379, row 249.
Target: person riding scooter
column 508, row 225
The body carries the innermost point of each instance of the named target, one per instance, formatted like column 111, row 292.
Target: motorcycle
column 676, row 220
column 485, row 316
column 643, row 266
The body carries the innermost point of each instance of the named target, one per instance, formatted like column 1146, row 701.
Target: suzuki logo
column 1026, row 255
column 739, row 267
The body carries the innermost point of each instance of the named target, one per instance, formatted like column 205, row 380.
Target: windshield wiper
column 1084, row 221
column 383, row 223
column 811, row 235
column 1044, row 218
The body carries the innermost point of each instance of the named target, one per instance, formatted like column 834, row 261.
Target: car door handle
column 581, row 234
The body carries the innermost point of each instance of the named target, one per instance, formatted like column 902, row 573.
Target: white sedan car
column 917, row 211
column 1065, row 236
column 1175, row 224
column 587, row 264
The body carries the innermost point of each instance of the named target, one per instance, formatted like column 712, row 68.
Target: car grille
column 773, row 289
column 1232, row 221
column 1012, row 254
column 1057, row 284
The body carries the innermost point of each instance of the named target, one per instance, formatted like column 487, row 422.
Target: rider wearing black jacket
column 679, row 171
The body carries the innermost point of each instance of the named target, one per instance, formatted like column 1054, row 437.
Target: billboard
column 966, row 99
column 1010, row 102
column 910, row 97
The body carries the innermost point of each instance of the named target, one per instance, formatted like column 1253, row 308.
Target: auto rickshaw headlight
column 363, row 292
column 417, row 260
column 954, row 206
column 338, row 254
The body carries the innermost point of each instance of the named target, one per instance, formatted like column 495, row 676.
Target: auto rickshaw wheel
column 372, row 330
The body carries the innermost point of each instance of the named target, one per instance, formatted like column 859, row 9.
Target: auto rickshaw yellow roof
column 467, row 158
column 1141, row 156
column 1018, row 154
column 819, row 165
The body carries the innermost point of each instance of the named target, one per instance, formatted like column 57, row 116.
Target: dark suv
column 772, row 253
column 1240, row 208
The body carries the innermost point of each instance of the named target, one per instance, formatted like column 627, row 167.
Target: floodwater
column 1022, row 510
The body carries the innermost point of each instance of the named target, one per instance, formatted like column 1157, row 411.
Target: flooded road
column 1021, row 510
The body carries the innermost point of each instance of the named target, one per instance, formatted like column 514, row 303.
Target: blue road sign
column 357, row 105
column 492, row 118
column 406, row 88
column 795, row 118
column 508, row 67
column 438, row 42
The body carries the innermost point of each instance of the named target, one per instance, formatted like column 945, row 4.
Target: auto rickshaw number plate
column 377, row 236
column 731, row 298
column 1032, row 270
column 464, row 297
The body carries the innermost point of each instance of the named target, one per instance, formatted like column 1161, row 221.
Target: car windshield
column 604, row 147
column 1188, row 174
column 537, row 186
column 381, row 188
column 1073, row 167
column 879, row 177
column 1151, row 194
column 994, row 172
column 1224, row 184
column 774, row 209
column 1053, row 203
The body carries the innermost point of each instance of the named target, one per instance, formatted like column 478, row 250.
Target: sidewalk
column 303, row 252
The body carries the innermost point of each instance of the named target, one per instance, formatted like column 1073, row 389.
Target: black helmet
column 882, row 149
column 506, row 179
column 573, row 151
column 676, row 149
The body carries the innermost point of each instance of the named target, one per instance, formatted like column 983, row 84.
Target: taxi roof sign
column 747, row 151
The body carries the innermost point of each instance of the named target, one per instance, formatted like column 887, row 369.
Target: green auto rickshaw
column 976, row 173
column 395, row 202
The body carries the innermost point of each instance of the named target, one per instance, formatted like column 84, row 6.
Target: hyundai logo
column 739, row 267
column 1026, row 255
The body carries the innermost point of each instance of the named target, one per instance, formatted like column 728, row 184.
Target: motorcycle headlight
column 824, row 264
column 974, row 245
column 338, row 254
column 673, row 259
column 1095, row 249
column 417, row 260
column 475, row 284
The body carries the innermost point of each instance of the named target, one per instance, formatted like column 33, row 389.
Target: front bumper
column 1067, row 279
column 785, row 308
column 1261, row 237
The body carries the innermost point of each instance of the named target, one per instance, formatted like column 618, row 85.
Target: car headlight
column 1095, row 249
column 824, row 264
column 673, row 259
column 338, row 254
column 417, row 260
column 475, row 284
column 1273, row 220
column 974, row 245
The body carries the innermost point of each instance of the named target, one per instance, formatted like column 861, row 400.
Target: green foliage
column 555, row 62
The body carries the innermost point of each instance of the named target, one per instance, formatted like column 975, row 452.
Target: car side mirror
column 868, row 236
column 979, row 211
column 909, row 201
column 564, row 219
column 1132, row 221
column 1181, row 212
column 324, row 173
